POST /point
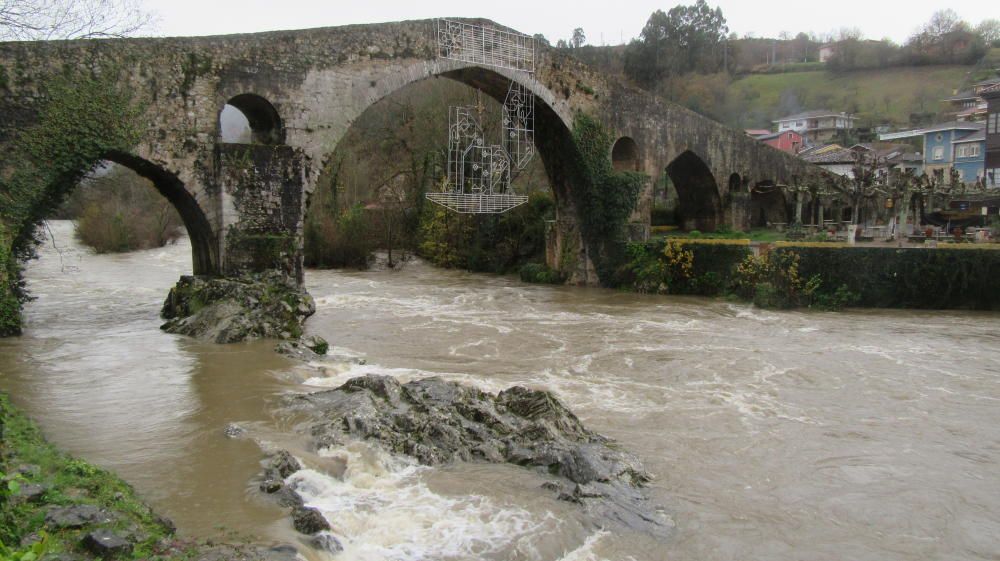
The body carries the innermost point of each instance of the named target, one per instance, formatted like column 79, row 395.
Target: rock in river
column 229, row 310
column 437, row 421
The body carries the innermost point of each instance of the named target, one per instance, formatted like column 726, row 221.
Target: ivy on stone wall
column 604, row 198
column 85, row 116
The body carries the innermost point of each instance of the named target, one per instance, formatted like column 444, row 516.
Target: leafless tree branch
column 26, row 20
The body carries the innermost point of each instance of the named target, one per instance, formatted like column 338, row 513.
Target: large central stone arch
column 552, row 121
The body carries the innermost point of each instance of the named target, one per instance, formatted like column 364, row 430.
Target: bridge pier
column 262, row 208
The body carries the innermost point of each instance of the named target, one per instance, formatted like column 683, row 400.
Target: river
column 863, row 435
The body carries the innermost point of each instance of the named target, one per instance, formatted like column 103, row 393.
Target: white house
column 817, row 126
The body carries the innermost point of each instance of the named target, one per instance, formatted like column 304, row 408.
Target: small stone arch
column 260, row 117
column 735, row 183
column 625, row 155
column 767, row 205
column 698, row 203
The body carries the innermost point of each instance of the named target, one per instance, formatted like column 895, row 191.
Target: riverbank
column 817, row 274
column 62, row 507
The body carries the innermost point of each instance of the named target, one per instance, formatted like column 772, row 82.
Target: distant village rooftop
column 817, row 114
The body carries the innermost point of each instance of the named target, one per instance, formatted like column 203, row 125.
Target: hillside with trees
column 689, row 56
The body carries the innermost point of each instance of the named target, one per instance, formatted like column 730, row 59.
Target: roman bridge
column 243, row 204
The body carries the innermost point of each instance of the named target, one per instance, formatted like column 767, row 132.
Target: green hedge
column 828, row 277
column 909, row 277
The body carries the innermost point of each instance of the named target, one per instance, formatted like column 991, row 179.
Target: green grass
column 70, row 481
column 888, row 95
column 756, row 235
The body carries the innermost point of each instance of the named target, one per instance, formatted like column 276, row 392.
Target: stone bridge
column 244, row 204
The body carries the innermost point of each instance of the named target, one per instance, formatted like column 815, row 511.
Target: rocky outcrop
column 309, row 521
column 437, row 422
column 307, row 348
column 229, row 310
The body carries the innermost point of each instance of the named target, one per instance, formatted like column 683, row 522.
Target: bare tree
column 25, row 20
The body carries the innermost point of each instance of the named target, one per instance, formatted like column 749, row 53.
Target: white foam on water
column 588, row 550
column 382, row 510
column 333, row 374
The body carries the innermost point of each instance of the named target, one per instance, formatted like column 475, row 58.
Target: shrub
column 841, row 298
column 486, row 243
column 541, row 274
column 772, row 280
column 120, row 211
column 339, row 240
column 661, row 216
column 645, row 271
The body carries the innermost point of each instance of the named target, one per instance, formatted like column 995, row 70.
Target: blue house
column 970, row 156
column 950, row 144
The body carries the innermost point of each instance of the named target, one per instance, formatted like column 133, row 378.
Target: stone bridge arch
column 699, row 200
column 553, row 118
column 204, row 247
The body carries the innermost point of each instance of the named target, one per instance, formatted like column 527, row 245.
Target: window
column 994, row 124
column 967, row 151
column 938, row 153
column 798, row 123
column 993, row 177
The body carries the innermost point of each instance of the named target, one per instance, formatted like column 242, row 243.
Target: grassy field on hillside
column 877, row 96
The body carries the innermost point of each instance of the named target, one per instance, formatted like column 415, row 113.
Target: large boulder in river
column 436, row 421
column 229, row 310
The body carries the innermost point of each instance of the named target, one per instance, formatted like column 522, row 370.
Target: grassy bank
column 46, row 480
column 51, row 502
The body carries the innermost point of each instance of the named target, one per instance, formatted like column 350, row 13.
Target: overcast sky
column 607, row 21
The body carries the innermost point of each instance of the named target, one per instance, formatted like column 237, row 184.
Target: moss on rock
column 230, row 310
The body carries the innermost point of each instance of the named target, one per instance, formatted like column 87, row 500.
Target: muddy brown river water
column 865, row 435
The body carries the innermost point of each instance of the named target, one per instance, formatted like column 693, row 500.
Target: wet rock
column 281, row 465
column 316, row 344
column 309, row 348
column 271, row 485
column 287, row 497
column 30, row 471
column 106, row 544
column 62, row 556
column 247, row 553
column 325, row 541
column 309, row 521
column 229, row 310
column 284, row 464
column 166, row 523
column 233, row 430
column 437, row 422
column 76, row 516
column 282, row 553
column 31, row 492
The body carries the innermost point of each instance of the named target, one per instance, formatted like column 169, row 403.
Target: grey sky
column 612, row 21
